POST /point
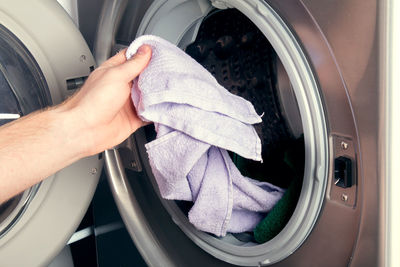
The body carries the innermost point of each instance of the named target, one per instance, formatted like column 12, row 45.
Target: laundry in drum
column 197, row 122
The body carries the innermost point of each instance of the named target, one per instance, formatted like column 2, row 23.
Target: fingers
column 132, row 67
column 116, row 60
column 129, row 69
column 133, row 119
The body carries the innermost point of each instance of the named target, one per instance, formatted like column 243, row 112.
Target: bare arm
column 99, row 116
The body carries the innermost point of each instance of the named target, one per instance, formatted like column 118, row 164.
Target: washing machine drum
column 256, row 53
column 40, row 50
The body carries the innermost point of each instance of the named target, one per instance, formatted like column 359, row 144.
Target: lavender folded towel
column 196, row 121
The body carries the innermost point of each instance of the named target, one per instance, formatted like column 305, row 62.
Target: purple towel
column 197, row 120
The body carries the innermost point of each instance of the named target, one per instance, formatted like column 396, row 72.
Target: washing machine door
column 43, row 59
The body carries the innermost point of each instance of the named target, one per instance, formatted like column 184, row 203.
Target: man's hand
column 99, row 116
column 103, row 108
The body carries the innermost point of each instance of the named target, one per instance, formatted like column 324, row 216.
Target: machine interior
column 225, row 45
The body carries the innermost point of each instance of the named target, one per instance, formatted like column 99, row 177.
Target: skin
column 99, row 116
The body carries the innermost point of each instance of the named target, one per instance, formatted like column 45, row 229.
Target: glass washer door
column 22, row 90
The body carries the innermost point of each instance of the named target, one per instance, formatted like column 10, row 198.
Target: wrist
column 71, row 130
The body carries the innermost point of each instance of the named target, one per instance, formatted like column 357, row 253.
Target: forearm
column 35, row 147
column 99, row 116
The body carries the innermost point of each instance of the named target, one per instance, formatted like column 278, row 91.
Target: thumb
column 131, row 68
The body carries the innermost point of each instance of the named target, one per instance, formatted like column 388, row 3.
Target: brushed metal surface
column 341, row 40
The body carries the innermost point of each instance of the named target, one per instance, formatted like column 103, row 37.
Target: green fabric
column 284, row 167
column 280, row 214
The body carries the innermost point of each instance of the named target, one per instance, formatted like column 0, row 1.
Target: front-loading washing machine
column 312, row 67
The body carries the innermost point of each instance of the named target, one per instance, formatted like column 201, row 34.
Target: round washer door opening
column 279, row 78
